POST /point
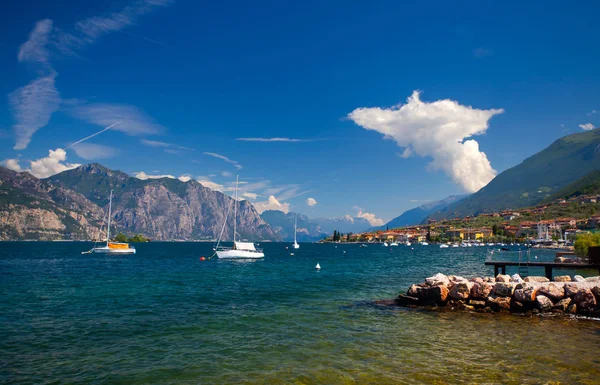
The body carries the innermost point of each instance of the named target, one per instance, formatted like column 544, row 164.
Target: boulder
column 456, row 278
column 585, row 300
column 516, row 307
column 463, row 306
column 593, row 279
column 534, row 278
column 570, row 289
column 437, row 280
column 525, row 294
column 414, row 290
column 489, row 279
column 552, row 291
column 563, row 304
column 572, row 309
column 437, row 294
column 503, row 278
column 476, row 280
column 461, row 290
column 562, row 278
column 502, row 289
column 516, row 278
column 476, row 303
column 578, row 278
column 481, row 290
column 596, row 292
column 544, row 303
column 498, row 303
column 406, row 300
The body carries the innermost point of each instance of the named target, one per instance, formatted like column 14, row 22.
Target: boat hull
column 239, row 254
column 296, row 246
column 106, row 250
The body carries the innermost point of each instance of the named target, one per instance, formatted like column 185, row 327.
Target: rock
column 502, row 289
column 562, row 278
column 481, row 290
column 516, row 278
column 544, row 303
column 578, row 278
column 437, row 280
column 489, row 279
column 572, row 309
column 456, row 278
column 536, row 279
column 463, row 306
column 516, row 307
column 437, row 294
column 593, row 279
column 477, row 303
column 503, row 278
column 461, row 290
column 525, row 294
column 596, row 292
column 563, row 304
column 585, row 300
column 406, row 300
column 570, row 289
column 476, row 280
column 499, row 303
column 414, row 290
column 552, row 291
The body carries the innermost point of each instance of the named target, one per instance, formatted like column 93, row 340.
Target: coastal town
column 553, row 223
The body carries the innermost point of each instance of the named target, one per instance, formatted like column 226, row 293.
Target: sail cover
column 245, row 246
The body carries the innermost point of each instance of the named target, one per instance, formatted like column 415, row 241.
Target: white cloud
column 349, row 218
column 185, row 178
column 32, row 106
column 224, row 158
column 311, row 201
column 35, row 48
column 54, row 163
column 373, row 220
column 275, row 140
column 437, row 130
column 407, row 153
column 210, row 184
column 143, row 176
column 592, row 112
column 587, row 126
column 133, row 120
column 12, row 164
column 169, row 147
column 90, row 151
column 226, row 174
column 271, row 204
column 250, row 195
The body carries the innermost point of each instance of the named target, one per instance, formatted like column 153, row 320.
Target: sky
column 328, row 109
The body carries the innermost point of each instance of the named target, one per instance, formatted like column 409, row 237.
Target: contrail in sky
column 97, row 133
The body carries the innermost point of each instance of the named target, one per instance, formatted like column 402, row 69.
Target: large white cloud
column 587, row 126
column 54, row 163
column 437, row 130
column 272, row 204
column 311, row 201
column 12, row 164
column 372, row 218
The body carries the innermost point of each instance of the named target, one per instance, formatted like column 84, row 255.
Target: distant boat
column 363, row 245
column 455, row 245
column 394, row 244
column 244, row 250
column 385, row 244
column 111, row 248
column 296, row 245
column 424, row 244
column 318, row 267
column 408, row 243
column 444, row 246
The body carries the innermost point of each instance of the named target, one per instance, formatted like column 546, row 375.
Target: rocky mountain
column 161, row 209
column 537, row 178
column 417, row 215
column 344, row 225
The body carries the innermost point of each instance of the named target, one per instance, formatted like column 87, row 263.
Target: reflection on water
column 164, row 316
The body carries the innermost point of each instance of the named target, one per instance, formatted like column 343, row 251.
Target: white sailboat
column 243, row 250
column 113, row 248
column 296, row 245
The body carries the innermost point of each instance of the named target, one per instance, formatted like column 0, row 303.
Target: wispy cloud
column 133, row 120
column 294, row 140
column 592, row 112
column 587, row 126
column 224, row 158
column 168, row 147
column 90, row 151
column 32, row 107
column 35, row 48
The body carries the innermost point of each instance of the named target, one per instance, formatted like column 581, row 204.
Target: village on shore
column 553, row 224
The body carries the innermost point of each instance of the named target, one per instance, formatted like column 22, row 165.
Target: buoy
column 318, row 267
column 202, row 258
column 344, row 251
column 291, row 253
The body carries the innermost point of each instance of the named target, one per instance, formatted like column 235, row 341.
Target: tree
column 584, row 241
column 120, row 238
column 138, row 238
column 495, row 229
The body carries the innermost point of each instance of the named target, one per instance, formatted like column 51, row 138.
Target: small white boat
column 408, row 243
column 363, row 245
column 444, row 246
column 296, row 245
column 241, row 250
column 455, row 245
column 385, row 244
column 393, row 244
column 318, row 267
column 111, row 248
column 424, row 244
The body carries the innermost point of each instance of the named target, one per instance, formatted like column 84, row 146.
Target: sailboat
column 296, row 245
column 113, row 248
column 244, row 250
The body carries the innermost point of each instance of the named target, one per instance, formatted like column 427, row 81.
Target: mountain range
column 73, row 205
column 537, row 178
column 417, row 215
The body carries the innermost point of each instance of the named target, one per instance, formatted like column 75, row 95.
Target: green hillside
column 537, row 178
column 588, row 185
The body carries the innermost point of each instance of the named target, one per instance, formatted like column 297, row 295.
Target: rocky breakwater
column 504, row 293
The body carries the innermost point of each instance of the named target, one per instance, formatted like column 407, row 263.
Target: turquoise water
column 163, row 316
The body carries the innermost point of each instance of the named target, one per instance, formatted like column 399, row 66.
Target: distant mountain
column 311, row 229
column 419, row 214
column 75, row 202
column 588, row 185
column 283, row 225
column 535, row 179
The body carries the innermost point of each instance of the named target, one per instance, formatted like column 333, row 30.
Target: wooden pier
column 548, row 266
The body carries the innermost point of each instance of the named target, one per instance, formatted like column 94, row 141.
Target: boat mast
column 109, row 214
column 295, row 221
column 235, row 208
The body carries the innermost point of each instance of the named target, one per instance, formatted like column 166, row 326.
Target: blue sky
column 495, row 82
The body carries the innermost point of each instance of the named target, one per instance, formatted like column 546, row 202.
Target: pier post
column 548, row 272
